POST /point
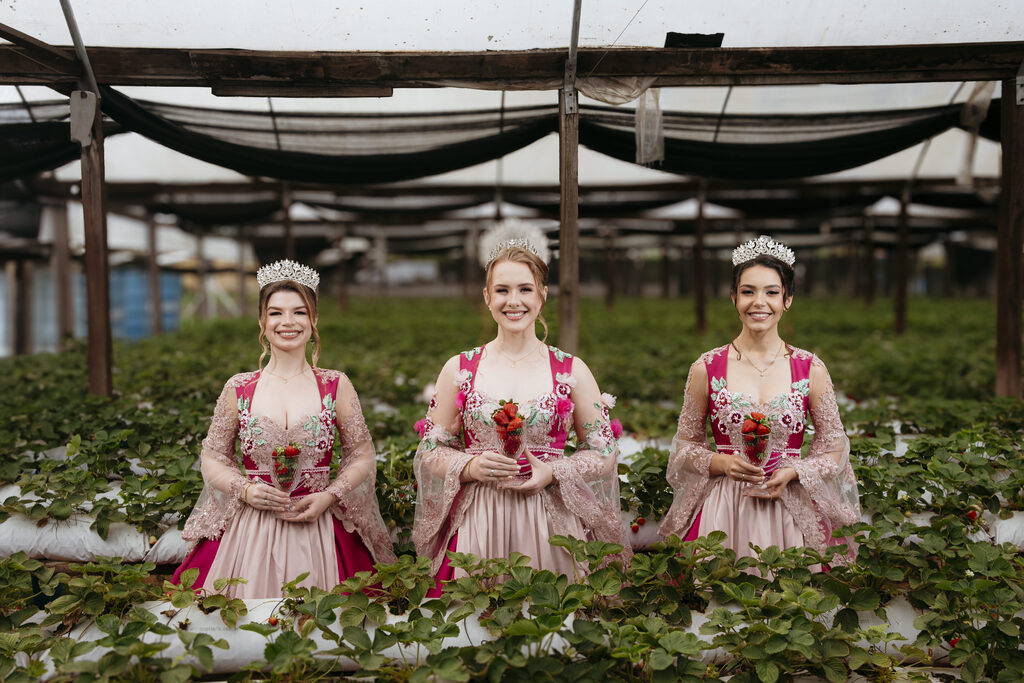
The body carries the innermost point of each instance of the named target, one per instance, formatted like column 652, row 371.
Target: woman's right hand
column 263, row 497
column 736, row 467
column 489, row 466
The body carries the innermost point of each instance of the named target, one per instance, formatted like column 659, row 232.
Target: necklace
column 761, row 371
column 285, row 379
column 516, row 360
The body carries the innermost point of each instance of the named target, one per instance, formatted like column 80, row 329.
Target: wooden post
column 902, row 268
column 11, row 275
column 153, row 266
column 243, row 303
column 1010, row 244
column 202, row 307
column 289, row 237
column 949, row 272
column 869, row 262
column 23, row 323
column 666, row 269
column 97, row 267
column 60, row 259
column 469, row 262
column 569, row 234
column 699, row 274
column 609, row 269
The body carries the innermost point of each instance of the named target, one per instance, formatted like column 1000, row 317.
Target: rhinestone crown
column 763, row 245
column 288, row 270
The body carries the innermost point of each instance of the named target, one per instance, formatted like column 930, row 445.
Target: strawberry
column 501, row 418
column 748, row 426
column 763, row 429
column 290, row 451
column 635, row 528
column 953, row 642
column 972, row 515
column 516, row 424
column 272, row 621
column 751, row 454
column 749, row 438
column 757, row 416
column 510, row 409
column 641, row 521
column 760, row 446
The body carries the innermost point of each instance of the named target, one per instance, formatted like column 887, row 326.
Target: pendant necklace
column 284, row 380
column 516, row 360
column 761, row 371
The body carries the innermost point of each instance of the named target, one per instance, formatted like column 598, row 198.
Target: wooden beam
column 569, row 233
column 1010, row 244
column 56, row 60
column 97, row 268
column 304, row 72
column 153, row 266
column 60, row 260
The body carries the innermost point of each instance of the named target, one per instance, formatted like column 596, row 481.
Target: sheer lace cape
column 225, row 476
column 585, row 485
column 825, row 495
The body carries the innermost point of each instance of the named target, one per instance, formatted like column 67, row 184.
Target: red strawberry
column 635, row 528
column 501, row 418
column 749, row 438
column 972, row 515
column 512, row 444
column 760, row 446
column 953, row 642
column 502, row 432
column 291, row 451
column 763, row 429
column 748, row 426
column 272, row 621
column 757, row 416
column 516, row 424
column 751, row 454
column 510, row 409
column 641, row 521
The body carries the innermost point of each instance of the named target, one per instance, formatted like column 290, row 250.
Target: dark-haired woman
column 760, row 395
column 281, row 514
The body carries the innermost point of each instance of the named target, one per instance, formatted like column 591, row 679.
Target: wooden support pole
column 342, row 273
column 23, row 342
column 666, row 270
column 97, row 267
column 699, row 274
column 902, row 269
column 869, row 262
column 569, row 234
column 1010, row 244
column 11, row 275
column 60, row 260
column 153, row 267
column 469, row 262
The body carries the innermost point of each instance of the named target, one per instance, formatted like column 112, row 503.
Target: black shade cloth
column 30, row 148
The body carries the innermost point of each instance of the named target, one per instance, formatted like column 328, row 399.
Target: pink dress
column 823, row 498
column 233, row 539
column 488, row 521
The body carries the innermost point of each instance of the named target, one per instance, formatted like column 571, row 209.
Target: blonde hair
column 537, row 267
column 309, row 299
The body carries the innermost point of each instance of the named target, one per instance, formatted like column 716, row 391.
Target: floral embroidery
column 559, row 354
column 473, row 352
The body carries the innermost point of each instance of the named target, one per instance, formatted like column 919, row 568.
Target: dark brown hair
column 784, row 270
column 530, row 260
column 309, row 298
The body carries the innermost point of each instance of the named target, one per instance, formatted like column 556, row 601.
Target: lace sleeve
column 588, row 480
column 689, row 460
column 218, row 462
column 826, row 472
column 438, row 464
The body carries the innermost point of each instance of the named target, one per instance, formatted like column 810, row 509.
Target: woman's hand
column 541, row 475
column 736, row 467
column 777, row 483
column 489, row 466
column 309, row 508
column 264, row 497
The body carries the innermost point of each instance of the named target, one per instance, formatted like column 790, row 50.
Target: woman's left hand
column 541, row 475
column 308, row 508
column 777, row 483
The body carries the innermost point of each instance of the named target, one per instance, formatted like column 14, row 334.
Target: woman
column 755, row 486
column 281, row 514
column 493, row 477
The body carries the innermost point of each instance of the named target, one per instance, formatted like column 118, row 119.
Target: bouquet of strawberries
column 509, row 426
column 286, row 460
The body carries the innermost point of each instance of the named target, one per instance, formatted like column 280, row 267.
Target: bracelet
column 245, row 491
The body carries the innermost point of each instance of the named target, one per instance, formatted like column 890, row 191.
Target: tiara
column 288, row 270
column 513, row 233
column 763, row 245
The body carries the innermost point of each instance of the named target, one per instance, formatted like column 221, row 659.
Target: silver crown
column 512, row 233
column 288, row 270
column 763, row 245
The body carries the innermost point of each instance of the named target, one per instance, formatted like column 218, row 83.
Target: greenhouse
column 175, row 505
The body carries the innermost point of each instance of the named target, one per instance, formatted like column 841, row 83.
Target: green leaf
column 357, row 637
column 767, row 671
column 835, row 670
column 605, row 581
column 864, row 600
column 847, row 619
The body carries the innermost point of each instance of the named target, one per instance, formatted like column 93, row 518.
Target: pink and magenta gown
column 823, row 497
column 232, row 539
